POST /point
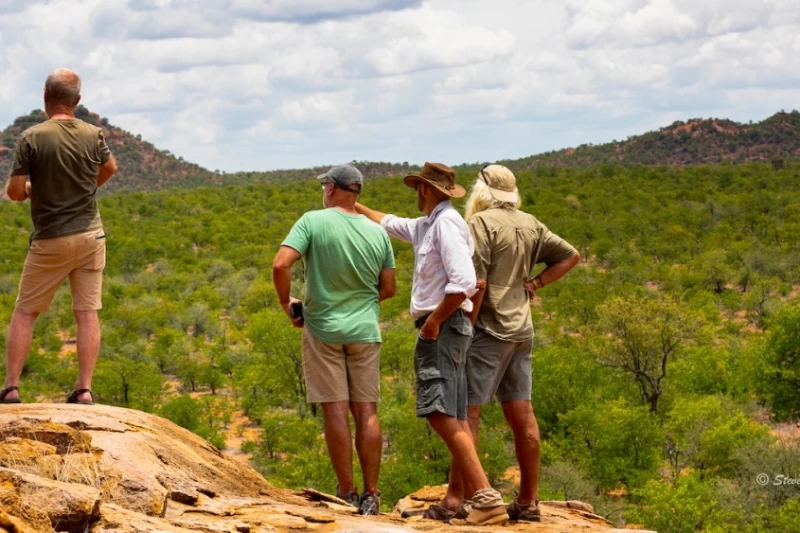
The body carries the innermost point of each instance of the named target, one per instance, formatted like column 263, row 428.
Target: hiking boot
column 434, row 512
column 369, row 504
column 524, row 513
column 488, row 509
column 350, row 497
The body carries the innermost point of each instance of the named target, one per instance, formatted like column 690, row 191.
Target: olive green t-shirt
column 508, row 244
column 344, row 255
column 62, row 158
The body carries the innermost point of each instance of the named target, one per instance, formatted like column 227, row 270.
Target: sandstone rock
column 284, row 521
column 570, row 504
column 10, row 524
column 123, row 471
column 313, row 516
column 68, row 507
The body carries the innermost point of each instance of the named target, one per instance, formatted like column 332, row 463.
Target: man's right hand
column 296, row 322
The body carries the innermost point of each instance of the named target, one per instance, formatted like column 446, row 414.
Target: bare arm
column 552, row 273
column 282, row 279
column 107, row 169
column 375, row 216
column 18, row 189
column 387, row 284
column 448, row 306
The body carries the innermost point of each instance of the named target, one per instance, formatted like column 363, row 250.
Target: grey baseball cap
column 344, row 176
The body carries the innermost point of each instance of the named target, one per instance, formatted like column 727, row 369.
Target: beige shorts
column 80, row 257
column 341, row 372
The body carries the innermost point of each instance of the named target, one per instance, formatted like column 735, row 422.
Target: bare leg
column 339, row 441
column 457, row 487
column 527, row 444
column 369, row 442
column 474, row 419
column 458, row 439
column 18, row 345
column 88, row 349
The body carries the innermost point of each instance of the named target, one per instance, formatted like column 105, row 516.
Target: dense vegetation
column 666, row 365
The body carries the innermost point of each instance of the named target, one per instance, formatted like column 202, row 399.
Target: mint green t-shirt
column 343, row 257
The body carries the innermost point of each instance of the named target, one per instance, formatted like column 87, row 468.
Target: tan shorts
column 341, row 372
column 80, row 257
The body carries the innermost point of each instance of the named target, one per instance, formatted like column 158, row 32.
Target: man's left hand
column 429, row 330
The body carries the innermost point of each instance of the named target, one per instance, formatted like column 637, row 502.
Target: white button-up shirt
column 443, row 251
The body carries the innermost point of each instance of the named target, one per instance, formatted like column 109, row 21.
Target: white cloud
column 245, row 84
column 309, row 11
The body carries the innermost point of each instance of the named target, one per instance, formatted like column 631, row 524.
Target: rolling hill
column 696, row 141
column 142, row 166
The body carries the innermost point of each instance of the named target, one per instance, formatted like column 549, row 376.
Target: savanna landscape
column 666, row 371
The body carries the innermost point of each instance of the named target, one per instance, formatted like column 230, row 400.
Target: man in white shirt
column 444, row 281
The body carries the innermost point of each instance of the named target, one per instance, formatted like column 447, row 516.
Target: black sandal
column 73, row 396
column 4, row 393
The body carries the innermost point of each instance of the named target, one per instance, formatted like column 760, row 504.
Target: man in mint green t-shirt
column 349, row 268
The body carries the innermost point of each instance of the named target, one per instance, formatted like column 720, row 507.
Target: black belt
column 418, row 323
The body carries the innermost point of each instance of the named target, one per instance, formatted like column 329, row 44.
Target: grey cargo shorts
column 440, row 368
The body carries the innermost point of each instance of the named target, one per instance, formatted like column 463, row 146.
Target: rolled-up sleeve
column 400, row 228
column 455, row 247
column 554, row 248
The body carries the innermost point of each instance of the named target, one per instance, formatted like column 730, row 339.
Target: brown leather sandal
column 73, row 397
column 434, row 512
column 4, row 393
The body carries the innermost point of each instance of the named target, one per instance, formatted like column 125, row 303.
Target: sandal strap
column 4, row 392
column 73, row 396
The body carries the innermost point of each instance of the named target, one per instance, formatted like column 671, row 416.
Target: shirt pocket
column 425, row 252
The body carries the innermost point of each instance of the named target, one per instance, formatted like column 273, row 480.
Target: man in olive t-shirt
column 349, row 268
column 66, row 160
column 509, row 243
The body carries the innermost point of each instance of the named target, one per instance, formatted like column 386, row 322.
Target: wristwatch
column 537, row 283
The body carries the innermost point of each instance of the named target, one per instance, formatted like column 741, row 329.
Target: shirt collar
column 440, row 207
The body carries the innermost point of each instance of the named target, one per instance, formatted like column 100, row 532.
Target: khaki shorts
column 80, row 257
column 498, row 368
column 341, row 372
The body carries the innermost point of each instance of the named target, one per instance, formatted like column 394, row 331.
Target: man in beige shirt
column 509, row 243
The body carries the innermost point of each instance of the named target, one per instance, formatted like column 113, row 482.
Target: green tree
column 638, row 336
column 781, row 379
column 615, row 442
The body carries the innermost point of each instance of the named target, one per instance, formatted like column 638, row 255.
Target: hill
column 142, row 166
column 693, row 142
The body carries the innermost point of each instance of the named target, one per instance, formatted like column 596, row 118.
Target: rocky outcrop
column 101, row 469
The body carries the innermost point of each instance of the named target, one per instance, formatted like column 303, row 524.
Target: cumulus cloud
column 245, row 84
column 312, row 11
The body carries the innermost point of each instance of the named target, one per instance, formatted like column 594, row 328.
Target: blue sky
column 259, row 85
